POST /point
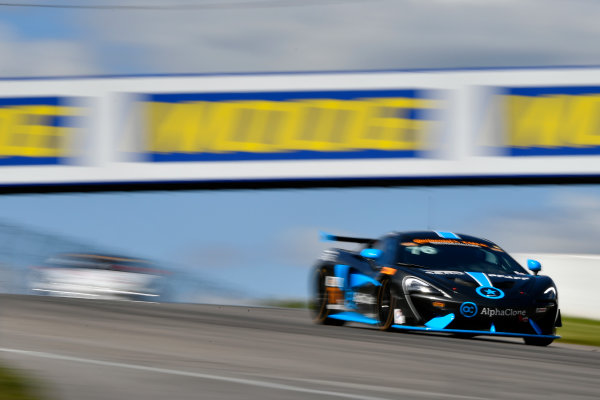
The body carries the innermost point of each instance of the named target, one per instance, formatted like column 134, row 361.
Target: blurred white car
column 98, row 276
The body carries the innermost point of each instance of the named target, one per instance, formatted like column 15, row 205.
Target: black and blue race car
column 436, row 282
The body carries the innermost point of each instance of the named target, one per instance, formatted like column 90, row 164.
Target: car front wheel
column 385, row 305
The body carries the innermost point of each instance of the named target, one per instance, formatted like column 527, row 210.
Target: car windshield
column 459, row 257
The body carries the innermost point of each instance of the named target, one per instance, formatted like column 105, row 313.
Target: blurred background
column 156, row 36
column 254, row 246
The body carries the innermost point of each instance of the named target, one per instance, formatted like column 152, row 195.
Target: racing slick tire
column 386, row 301
column 320, row 300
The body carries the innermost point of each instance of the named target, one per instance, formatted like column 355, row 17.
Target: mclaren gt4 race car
column 435, row 282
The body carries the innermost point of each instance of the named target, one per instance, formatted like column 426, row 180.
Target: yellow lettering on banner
column 217, row 124
column 389, row 127
column 534, row 121
column 325, row 125
column 172, row 127
column 187, row 127
column 582, row 128
column 26, row 131
column 255, row 126
column 261, row 126
column 553, row 121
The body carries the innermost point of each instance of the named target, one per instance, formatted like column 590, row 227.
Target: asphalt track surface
column 86, row 349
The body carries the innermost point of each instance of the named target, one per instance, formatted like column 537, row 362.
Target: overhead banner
column 287, row 125
column 276, row 127
column 36, row 130
column 552, row 121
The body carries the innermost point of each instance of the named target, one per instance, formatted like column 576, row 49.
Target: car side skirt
column 356, row 317
column 472, row 332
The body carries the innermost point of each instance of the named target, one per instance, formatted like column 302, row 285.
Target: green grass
column 14, row 386
column 289, row 303
column 580, row 331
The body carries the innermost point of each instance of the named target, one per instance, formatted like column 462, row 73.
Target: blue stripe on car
column 440, row 322
column 354, row 317
column 481, row 278
column 358, row 280
column 535, row 326
column 488, row 333
column 447, row 235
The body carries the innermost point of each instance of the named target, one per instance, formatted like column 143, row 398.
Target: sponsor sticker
column 329, row 255
column 399, row 317
column 444, row 272
column 334, row 281
column 468, row 309
column 514, row 277
column 450, row 241
column 363, row 298
column 502, row 312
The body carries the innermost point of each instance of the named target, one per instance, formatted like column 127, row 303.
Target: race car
column 98, row 276
column 434, row 281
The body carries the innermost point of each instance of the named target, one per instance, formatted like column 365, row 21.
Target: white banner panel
column 385, row 125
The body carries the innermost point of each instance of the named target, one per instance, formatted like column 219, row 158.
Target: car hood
column 470, row 284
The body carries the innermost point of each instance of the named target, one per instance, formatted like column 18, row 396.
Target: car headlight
column 415, row 285
column 550, row 293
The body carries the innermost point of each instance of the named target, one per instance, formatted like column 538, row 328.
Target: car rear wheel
column 385, row 305
column 320, row 296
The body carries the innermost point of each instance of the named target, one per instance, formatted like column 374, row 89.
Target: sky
column 201, row 36
column 265, row 241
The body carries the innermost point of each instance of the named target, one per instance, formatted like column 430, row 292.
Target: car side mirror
column 371, row 254
column 534, row 266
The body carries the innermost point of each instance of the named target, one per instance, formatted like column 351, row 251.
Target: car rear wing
column 328, row 237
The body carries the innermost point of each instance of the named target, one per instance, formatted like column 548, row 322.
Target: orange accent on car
column 335, row 295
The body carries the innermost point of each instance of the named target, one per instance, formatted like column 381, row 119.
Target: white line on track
column 386, row 389
column 252, row 382
column 240, row 381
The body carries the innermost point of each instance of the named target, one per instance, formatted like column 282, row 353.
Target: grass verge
column 580, row 331
column 14, row 386
column 287, row 303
